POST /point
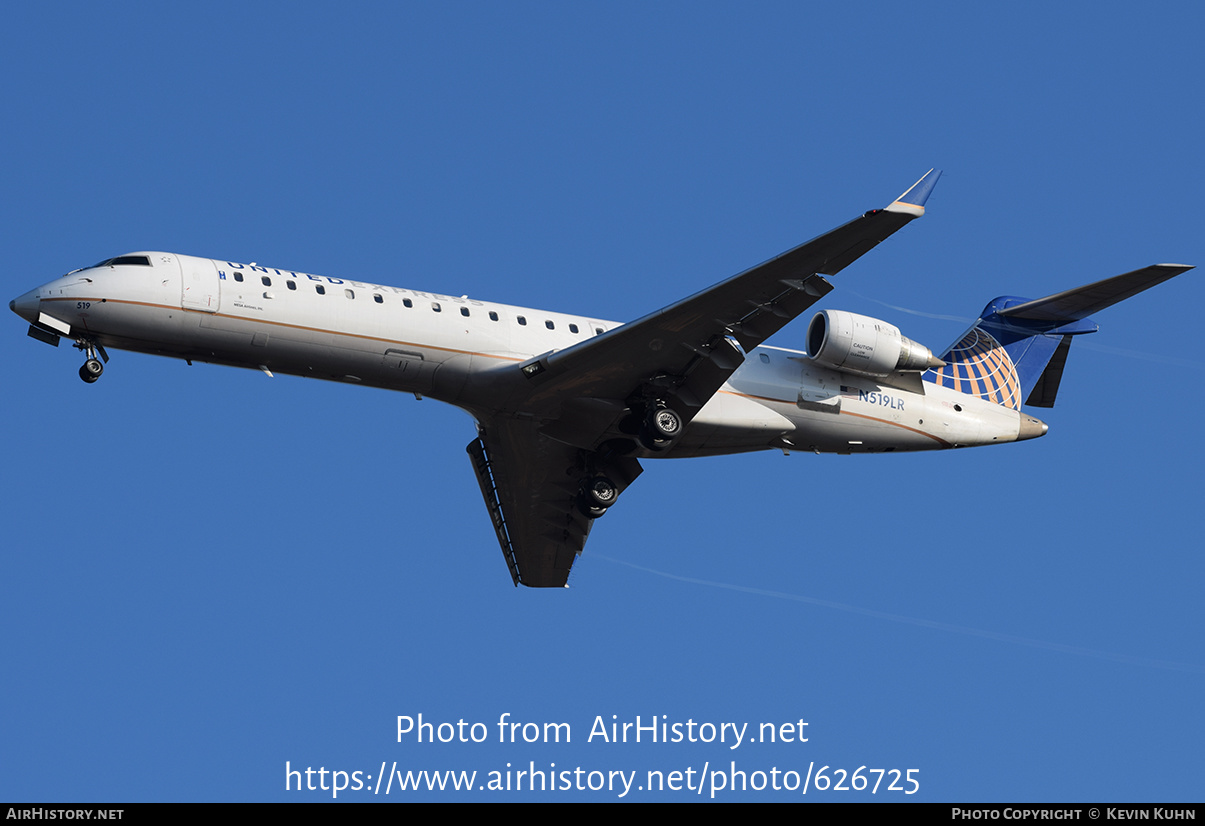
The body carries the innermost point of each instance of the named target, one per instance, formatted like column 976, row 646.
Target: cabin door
column 201, row 288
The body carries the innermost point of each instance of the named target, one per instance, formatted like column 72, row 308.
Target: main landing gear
column 604, row 475
column 598, row 494
column 661, row 427
column 93, row 367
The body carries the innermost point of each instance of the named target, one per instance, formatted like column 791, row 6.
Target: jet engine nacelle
column 860, row 344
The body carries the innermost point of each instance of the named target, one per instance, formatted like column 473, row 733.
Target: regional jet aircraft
column 566, row 406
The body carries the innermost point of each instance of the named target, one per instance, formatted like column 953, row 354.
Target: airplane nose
column 26, row 306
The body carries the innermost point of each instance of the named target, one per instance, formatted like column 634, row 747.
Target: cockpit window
column 125, row 261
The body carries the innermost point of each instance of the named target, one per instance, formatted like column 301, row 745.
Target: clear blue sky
column 209, row 573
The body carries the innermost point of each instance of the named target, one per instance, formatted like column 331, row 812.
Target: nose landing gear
column 93, row 367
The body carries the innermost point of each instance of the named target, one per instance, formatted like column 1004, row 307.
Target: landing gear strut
column 93, row 367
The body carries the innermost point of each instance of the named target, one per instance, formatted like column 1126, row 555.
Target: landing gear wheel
column 600, row 492
column 665, row 424
column 590, row 511
column 91, row 370
column 93, row 367
column 661, row 428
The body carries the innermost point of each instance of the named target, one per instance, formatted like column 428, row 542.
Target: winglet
column 912, row 202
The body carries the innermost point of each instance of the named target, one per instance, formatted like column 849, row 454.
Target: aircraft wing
column 532, row 461
column 531, row 485
column 685, row 350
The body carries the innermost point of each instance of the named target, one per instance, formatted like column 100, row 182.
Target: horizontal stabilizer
column 1081, row 302
column 1017, row 349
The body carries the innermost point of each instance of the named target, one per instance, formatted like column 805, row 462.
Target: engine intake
column 864, row 345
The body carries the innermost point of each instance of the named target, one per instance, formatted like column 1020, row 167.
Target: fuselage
column 469, row 353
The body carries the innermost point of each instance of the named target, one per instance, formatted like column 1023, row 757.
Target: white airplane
column 566, row 405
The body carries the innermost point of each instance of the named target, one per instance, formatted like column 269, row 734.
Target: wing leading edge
column 533, row 460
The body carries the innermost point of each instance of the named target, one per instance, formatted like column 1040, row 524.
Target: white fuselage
column 461, row 350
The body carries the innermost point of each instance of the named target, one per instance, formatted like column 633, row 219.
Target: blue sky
column 210, row 573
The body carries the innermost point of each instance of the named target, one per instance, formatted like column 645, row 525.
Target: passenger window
column 549, row 325
column 377, row 298
column 267, row 281
column 464, row 311
column 573, row 328
column 238, row 276
column 493, row 316
column 291, row 284
column 522, row 321
column 350, row 293
column 321, row 290
column 435, row 306
column 406, row 302
column 764, row 358
column 598, row 331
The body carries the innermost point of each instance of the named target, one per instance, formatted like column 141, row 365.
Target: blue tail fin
column 1016, row 351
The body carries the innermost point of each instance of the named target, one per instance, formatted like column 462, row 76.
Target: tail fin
column 1017, row 349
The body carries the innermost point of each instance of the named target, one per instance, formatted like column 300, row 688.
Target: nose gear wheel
column 92, row 368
